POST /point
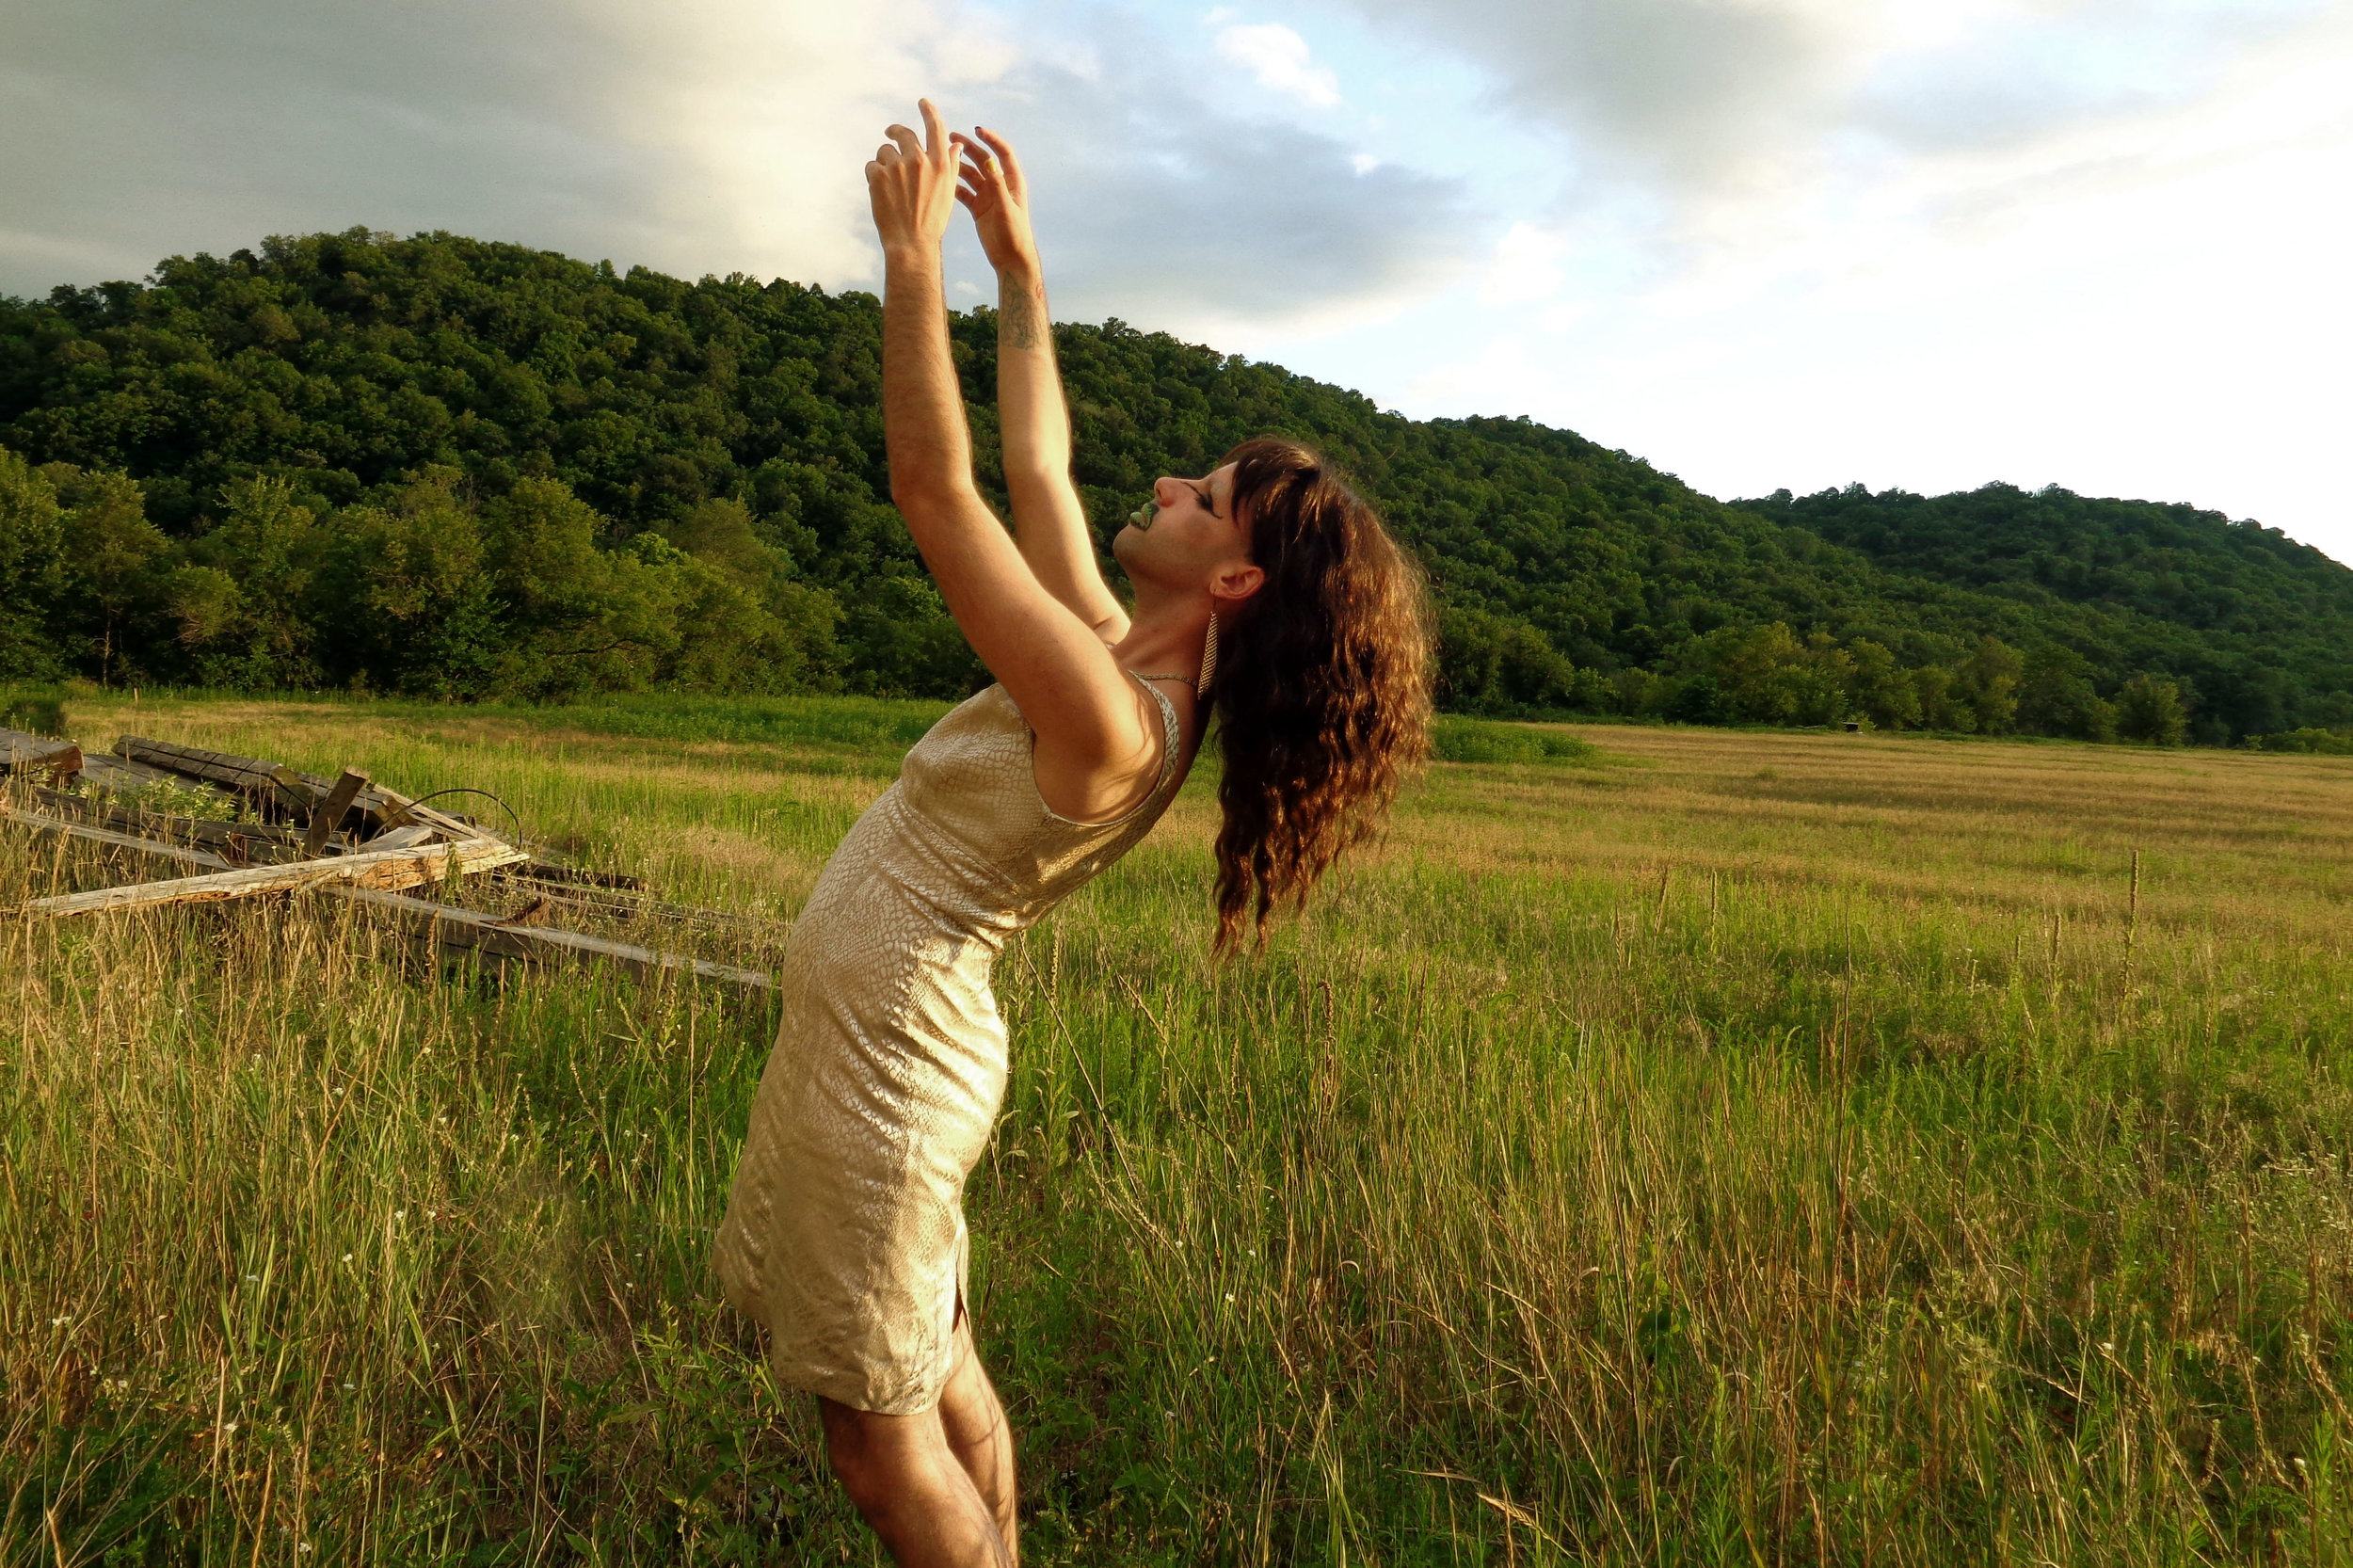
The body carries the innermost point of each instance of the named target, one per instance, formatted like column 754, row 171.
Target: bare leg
column 978, row 1434
column 908, row 1483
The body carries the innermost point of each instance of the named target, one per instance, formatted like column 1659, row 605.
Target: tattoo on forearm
column 1023, row 322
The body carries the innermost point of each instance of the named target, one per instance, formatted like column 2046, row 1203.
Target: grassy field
column 1725, row 1148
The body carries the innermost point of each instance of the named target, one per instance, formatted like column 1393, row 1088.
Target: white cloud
column 1764, row 242
column 1154, row 207
column 1281, row 61
column 709, row 136
column 1927, row 243
column 1527, row 266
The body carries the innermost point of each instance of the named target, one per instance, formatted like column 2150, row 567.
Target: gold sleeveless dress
column 844, row 1233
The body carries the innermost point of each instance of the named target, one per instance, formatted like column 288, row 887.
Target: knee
column 864, row 1467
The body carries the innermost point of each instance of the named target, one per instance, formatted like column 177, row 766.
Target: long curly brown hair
column 1323, row 684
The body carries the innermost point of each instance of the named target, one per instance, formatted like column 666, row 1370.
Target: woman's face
column 1187, row 535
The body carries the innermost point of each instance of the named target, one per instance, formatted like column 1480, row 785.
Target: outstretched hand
column 912, row 184
column 998, row 197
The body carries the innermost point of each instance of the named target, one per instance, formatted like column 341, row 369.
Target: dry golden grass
column 1756, row 1148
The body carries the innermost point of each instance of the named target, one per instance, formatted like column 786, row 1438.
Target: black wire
column 462, row 790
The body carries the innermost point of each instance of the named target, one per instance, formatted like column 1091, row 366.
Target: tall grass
column 1791, row 1149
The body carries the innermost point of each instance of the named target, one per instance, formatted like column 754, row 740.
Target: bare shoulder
column 1097, row 782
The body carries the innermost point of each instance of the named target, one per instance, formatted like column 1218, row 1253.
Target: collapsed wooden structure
column 263, row 828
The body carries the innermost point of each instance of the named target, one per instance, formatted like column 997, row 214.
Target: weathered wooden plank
column 470, row 930
column 457, row 929
column 245, row 773
column 254, row 776
column 398, row 810
column 330, row 815
column 294, row 792
column 287, row 787
column 103, row 772
column 21, row 752
column 153, row 849
column 392, row 867
column 243, row 842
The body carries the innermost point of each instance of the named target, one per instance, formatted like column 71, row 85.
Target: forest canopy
column 449, row 467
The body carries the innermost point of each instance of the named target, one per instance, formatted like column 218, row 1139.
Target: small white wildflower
column 400, row 1213
column 1229, row 1295
column 347, row 1257
column 1170, row 1414
column 350, row 1385
column 253, row 1279
column 2107, row 1345
column 59, row 1322
column 226, row 1430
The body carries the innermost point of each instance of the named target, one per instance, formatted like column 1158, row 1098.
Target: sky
column 1763, row 244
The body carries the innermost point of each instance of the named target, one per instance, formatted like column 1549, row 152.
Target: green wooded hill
column 450, row 467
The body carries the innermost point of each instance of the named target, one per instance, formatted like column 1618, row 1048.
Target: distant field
column 1713, row 1148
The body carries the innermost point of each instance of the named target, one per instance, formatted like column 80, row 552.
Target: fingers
column 980, row 165
column 906, row 145
column 934, row 134
column 1004, row 149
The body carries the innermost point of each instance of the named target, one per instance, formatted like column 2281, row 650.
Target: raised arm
column 1048, row 519
column 1091, row 738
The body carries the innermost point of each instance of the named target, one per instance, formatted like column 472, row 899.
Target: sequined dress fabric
column 844, row 1233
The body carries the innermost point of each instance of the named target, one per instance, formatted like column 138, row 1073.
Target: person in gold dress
column 1267, row 593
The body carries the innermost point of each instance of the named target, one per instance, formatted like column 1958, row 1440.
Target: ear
column 1235, row 582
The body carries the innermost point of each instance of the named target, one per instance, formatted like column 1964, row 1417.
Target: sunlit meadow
column 1707, row 1148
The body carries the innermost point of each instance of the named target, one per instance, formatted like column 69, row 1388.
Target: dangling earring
column 1208, row 660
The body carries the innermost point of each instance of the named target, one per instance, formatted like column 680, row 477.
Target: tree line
column 458, row 469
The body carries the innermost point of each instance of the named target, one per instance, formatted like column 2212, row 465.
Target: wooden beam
column 398, row 810
column 262, row 779
column 471, row 931
column 253, row 777
column 294, row 792
column 452, row 928
column 329, row 816
column 83, row 832
column 244, row 843
column 245, row 775
column 21, row 752
column 391, row 868
column 115, row 775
